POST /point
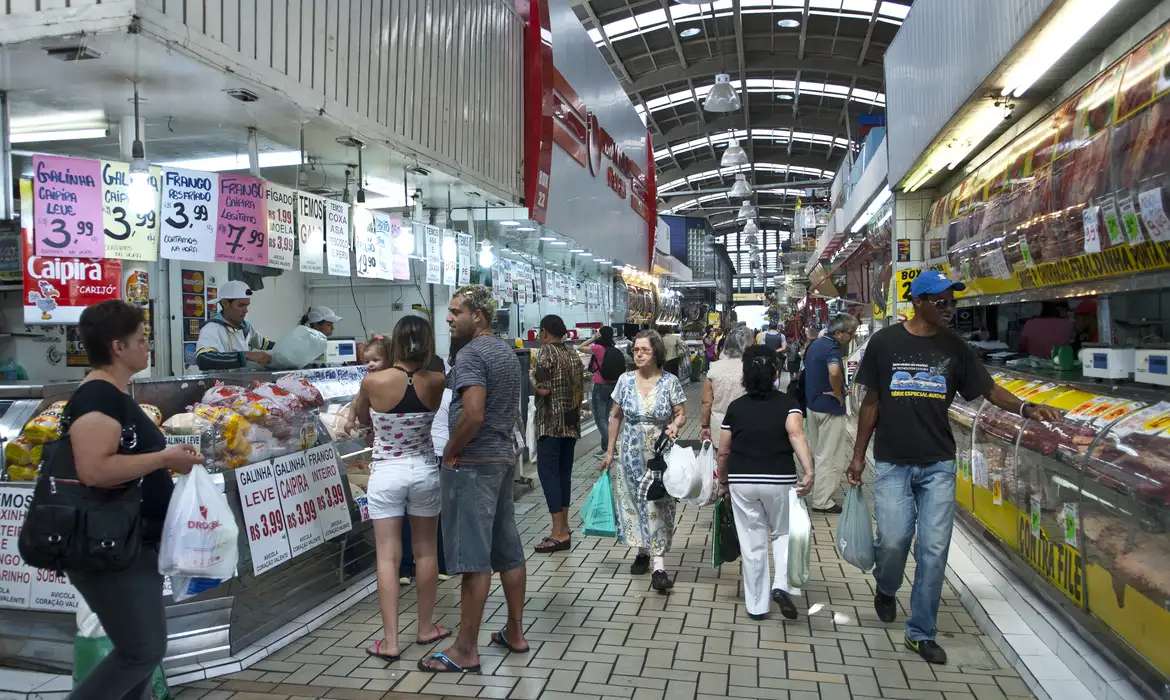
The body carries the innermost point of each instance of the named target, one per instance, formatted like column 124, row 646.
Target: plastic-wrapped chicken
column 302, row 389
column 46, row 426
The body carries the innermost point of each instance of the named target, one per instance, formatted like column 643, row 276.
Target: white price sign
column 16, row 577
column 190, row 210
column 282, row 204
column 450, row 257
column 51, row 591
column 464, row 266
column 311, row 232
column 365, row 247
column 325, row 484
column 263, row 518
column 337, row 238
column 195, row 441
column 431, row 249
column 297, row 502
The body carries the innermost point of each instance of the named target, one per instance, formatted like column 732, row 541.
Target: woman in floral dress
column 645, row 402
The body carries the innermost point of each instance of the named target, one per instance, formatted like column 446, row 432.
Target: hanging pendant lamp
column 722, row 97
column 741, row 189
column 746, row 210
column 750, row 227
column 733, row 156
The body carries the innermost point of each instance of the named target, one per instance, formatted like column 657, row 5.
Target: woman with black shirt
column 115, row 442
column 761, row 432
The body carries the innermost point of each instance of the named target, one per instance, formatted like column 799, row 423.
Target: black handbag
column 74, row 527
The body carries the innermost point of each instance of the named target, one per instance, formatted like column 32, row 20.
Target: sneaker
column 928, row 649
column 831, row 510
column 599, row 454
column 787, row 607
column 757, row 618
column 404, row 580
column 886, row 607
column 641, row 565
column 444, row 577
column 660, row 581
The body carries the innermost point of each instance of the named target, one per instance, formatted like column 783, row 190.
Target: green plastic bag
column 597, row 513
column 88, row 651
column 724, row 538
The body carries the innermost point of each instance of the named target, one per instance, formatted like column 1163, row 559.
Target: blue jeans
column 601, row 402
column 905, row 496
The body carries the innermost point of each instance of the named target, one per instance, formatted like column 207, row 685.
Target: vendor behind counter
column 1047, row 331
column 227, row 341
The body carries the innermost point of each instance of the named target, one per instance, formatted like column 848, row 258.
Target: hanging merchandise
column 364, row 243
column 129, row 234
column 240, row 234
column 463, row 273
column 189, row 201
column 311, row 231
column 402, row 244
column 337, row 238
column 450, row 254
column 282, row 204
column 434, row 261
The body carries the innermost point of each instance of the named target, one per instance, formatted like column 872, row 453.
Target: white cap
column 317, row 314
column 233, row 289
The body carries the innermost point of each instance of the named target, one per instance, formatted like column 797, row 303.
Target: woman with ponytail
column 761, row 433
column 400, row 402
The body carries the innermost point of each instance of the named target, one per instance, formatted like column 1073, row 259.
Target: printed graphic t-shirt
column 916, row 379
column 489, row 362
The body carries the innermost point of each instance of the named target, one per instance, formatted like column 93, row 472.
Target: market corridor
column 598, row 632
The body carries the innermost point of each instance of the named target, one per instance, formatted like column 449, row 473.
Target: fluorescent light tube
column 62, row 135
column 239, row 161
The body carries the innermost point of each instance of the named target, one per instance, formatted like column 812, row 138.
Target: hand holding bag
column 855, row 530
column 799, row 540
column 724, row 538
column 200, row 533
column 682, row 479
column 598, row 514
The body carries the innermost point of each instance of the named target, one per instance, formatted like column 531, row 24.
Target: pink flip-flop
column 376, row 652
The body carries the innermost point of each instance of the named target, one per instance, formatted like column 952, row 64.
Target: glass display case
column 1080, row 506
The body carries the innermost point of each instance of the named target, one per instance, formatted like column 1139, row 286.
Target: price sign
column 282, row 203
column 383, row 246
column 325, row 482
column 450, row 257
column 297, row 502
column 463, row 273
column 337, row 238
column 263, row 518
column 241, row 234
column 1154, row 215
column 434, row 260
column 52, row 591
column 365, row 250
column 129, row 234
column 67, row 207
column 1091, row 218
column 1129, row 219
column 402, row 244
column 16, row 577
column 311, row 231
column 190, row 206
column 195, row 441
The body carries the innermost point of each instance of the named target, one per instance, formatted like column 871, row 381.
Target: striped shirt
column 760, row 450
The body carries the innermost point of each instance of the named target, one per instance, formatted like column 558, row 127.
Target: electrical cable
column 358, row 306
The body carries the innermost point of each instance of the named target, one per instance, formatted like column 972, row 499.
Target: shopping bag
column 199, row 534
column 705, row 464
column 91, row 645
column 855, row 530
column 724, row 538
column 799, row 540
column 682, row 479
column 298, row 347
column 597, row 512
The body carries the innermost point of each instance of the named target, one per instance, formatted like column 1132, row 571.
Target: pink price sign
column 67, row 207
column 241, row 230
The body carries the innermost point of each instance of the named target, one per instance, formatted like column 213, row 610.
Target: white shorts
column 404, row 486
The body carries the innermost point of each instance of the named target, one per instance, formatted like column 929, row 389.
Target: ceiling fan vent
column 73, row 53
column 242, row 94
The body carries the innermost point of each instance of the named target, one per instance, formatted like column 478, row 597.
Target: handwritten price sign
column 264, row 520
column 190, row 202
column 297, row 502
column 129, row 234
column 241, row 232
column 325, row 482
column 67, row 207
column 282, row 235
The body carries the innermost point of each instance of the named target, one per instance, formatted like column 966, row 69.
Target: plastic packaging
column 152, row 412
column 200, row 532
column 705, row 464
column 46, row 426
column 222, row 394
column 799, row 540
column 598, row 514
column 91, row 645
column 303, row 389
column 298, row 347
column 682, row 478
column 855, row 530
column 21, row 452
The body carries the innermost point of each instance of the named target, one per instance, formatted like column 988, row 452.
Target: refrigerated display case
column 1080, row 506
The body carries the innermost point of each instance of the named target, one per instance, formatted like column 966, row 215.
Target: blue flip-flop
column 449, row 666
column 501, row 639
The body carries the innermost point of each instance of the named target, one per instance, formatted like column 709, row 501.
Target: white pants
column 761, row 522
column 830, row 452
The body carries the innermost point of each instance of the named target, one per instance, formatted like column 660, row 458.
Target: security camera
column 417, row 194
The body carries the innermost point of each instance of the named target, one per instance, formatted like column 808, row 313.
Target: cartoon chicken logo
column 45, row 300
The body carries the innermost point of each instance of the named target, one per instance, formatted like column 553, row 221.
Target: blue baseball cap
column 933, row 282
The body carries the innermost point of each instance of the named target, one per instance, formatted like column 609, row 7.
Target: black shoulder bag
column 74, row 527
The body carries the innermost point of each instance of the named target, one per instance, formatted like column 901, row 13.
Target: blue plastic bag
column 597, row 512
column 855, row 530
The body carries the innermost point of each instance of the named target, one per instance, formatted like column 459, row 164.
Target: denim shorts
column 479, row 518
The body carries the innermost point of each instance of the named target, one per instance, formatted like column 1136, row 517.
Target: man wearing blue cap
column 911, row 373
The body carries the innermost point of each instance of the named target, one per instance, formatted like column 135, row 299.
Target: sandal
column 376, row 652
column 449, row 666
column 443, row 634
column 548, row 545
column 502, row 640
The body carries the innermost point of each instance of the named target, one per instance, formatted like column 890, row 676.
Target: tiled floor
column 598, row 632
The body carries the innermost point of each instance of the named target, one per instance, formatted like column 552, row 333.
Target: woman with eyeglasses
column 646, row 403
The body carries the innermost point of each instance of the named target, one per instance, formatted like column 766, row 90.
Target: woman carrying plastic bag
column 199, row 535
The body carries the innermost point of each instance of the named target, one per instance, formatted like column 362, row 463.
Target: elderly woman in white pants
column 762, row 439
column 724, row 384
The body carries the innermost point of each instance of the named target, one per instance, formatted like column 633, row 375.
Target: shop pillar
column 908, row 247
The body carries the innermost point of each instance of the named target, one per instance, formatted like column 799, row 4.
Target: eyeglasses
column 942, row 304
column 643, row 351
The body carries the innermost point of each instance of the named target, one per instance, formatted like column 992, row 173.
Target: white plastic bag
column 298, row 347
column 799, row 540
column 88, row 624
column 200, row 533
column 681, row 478
column 705, row 465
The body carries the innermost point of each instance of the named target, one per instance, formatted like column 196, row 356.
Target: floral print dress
column 639, row 523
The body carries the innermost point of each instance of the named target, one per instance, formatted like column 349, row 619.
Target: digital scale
column 340, row 352
column 1107, row 361
column 1152, row 364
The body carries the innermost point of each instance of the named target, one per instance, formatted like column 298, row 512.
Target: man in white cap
column 321, row 319
column 227, row 341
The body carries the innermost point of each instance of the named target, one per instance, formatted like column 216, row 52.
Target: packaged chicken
column 22, row 453
column 222, row 394
column 231, row 425
column 46, row 427
column 18, row 472
column 302, row 389
column 335, row 424
column 289, row 402
column 186, row 424
column 253, row 407
column 153, row 412
column 262, row 443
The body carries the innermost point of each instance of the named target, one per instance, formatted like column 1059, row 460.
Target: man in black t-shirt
column 911, row 373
